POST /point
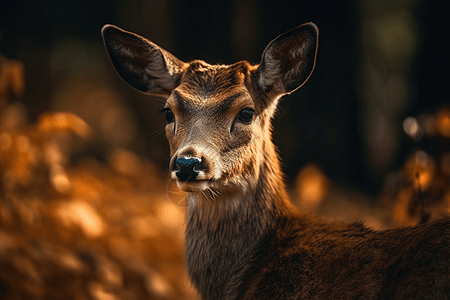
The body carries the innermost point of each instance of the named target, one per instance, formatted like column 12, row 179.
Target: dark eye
column 168, row 114
column 246, row 115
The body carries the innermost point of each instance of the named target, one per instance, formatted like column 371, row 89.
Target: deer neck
column 221, row 234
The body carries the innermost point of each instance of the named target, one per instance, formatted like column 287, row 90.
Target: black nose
column 187, row 168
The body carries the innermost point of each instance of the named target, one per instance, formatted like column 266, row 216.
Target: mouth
column 192, row 186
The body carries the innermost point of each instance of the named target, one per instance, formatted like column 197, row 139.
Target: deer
column 244, row 239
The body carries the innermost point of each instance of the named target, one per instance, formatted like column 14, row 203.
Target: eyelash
column 168, row 114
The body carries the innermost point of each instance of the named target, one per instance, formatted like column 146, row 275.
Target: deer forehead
column 188, row 105
column 217, row 88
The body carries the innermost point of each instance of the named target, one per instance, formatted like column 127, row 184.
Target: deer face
column 214, row 127
column 218, row 117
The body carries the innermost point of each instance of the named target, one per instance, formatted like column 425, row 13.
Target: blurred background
column 87, row 210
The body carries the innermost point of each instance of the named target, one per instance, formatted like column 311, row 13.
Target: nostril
column 187, row 162
column 187, row 168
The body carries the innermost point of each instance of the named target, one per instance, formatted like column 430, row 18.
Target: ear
column 141, row 63
column 288, row 61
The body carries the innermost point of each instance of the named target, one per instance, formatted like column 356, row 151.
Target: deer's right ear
column 141, row 63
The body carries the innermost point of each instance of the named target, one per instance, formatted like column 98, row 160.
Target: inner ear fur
column 288, row 61
column 141, row 63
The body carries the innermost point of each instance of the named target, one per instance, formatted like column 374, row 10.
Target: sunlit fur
column 244, row 240
column 206, row 105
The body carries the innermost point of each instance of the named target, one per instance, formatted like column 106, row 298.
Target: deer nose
column 187, row 168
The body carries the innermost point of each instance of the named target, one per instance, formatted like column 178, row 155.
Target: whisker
column 214, row 194
column 206, row 196
column 156, row 133
column 181, row 200
column 177, row 200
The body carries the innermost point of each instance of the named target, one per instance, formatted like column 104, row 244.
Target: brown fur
column 244, row 240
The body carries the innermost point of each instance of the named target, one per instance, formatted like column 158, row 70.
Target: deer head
column 218, row 116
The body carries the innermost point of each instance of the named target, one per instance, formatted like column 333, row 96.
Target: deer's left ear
column 288, row 61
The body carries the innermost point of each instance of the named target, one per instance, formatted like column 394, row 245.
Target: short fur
column 244, row 239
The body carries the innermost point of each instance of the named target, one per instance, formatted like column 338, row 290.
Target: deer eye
column 246, row 115
column 168, row 114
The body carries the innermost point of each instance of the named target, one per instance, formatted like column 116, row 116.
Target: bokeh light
column 443, row 122
column 412, row 128
column 312, row 186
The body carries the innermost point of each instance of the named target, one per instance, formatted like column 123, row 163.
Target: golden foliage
column 89, row 231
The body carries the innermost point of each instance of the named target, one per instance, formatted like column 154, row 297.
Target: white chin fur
column 192, row 186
